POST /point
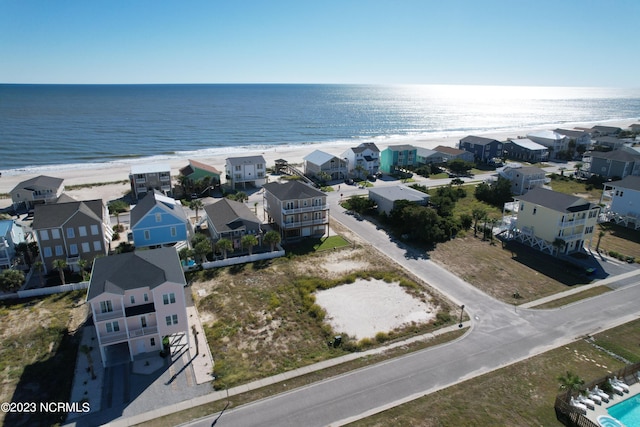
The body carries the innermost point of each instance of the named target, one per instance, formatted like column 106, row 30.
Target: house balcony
column 572, row 237
column 141, row 180
column 571, row 223
column 117, row 313
column 305, row 209
column 298, row 224
column 140, row 332
column 45, row 197
column 113, row 337
column 73, row 259
column 165, row 178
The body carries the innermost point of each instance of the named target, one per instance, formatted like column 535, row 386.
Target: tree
column 82, row 263
column 60, row 264
column 24, row 250
column 39, row 268
column 224, row 246
column 117, row 207
column 185, row 253
column 477, row 214
column 201, row 249
column 248, row 242
column 11, row 280
column 196, row 205
column 570, row 383
column 559, row 244
column 323, row 176
column 272, row 238
column 459, row 166
column 601, row 234
column 360, row 170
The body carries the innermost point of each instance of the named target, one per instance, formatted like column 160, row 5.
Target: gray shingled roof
column 478, row 140
column 292, row 190
column 54, row 215
column 631, row 182
column 370, row 145
column 554, row 200
column 40, row 181
column 119, row 273
column 229, row 215
column 619, row 155
column 402, row 147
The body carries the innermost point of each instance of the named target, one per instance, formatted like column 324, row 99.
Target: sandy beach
column 111, row 172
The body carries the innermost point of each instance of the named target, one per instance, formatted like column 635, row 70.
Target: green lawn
column 317, row 244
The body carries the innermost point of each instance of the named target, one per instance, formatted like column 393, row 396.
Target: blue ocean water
column 80, row 125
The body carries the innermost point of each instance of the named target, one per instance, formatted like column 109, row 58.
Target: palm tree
column 571, row 383
column 196, row 205
column 601, row 234
column 224, row 245
column 477, row 214
column 559, row 244
column 82, row 263
column 60, row 264
column 201, row 249
column 272, row 238
column 39, row 268
column 117, row 207
column 249, row 241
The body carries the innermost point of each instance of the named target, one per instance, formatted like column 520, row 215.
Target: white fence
column 52, row 290
column 241, row 259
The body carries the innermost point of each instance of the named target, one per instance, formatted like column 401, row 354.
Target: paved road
column 500, row 335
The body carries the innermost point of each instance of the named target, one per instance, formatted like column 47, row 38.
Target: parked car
column 349, row 181
column 371, row 178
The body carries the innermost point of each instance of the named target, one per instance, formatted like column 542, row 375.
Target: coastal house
column 483, row 149
column 525, row 149
column 426, row 156
column 245, row 170
column 198, row 175
column 604, row 143
column 148, row 178
column 581, row 137
column 386, row 197
column 598, row 131
column 296, row 209
column 554, row 222
column 319, row 163
column 612, row 164
column 635, row 127
column 137, row 300
column 524, row 178
column 71, row 230
column 451, row 153
column 555, row 142
column 397, row 157
column 362, row 160
column 621, row 200
column 159, row 220
column 11, row 235
column 228, row 219
column 38, row 190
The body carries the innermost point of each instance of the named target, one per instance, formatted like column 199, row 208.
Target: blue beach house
column 396, row 157
column 159, row 220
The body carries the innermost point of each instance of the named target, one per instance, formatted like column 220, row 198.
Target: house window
column 147, row 235
column 169, row 298
column 106, row 307
column 113, row 326
column 58, row 250
column 158, row 217
column 521, row 206
column 171, row 320
column 73, row 249
column 97, row 246
column 133, row 299
column 85, row 247
column 47, row 252
column 82, row 230
column 146, row 298
column 534, row 210
column 152, row 341
column 238, row 168
column 55, row 233
column 70, row 233
column 143, row 321
column 94, row 230
column 44, row 235
column 259, row 166
column 174, row 233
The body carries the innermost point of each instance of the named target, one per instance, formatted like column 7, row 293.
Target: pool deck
column 593, row 415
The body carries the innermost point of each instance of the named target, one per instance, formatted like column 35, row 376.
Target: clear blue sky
column 501, row 42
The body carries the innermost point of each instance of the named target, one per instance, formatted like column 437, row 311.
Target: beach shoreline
column 112, row 172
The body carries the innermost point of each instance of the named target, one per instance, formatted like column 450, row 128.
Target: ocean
column 45, row 126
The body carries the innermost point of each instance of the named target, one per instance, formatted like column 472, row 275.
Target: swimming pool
column 627, row 411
